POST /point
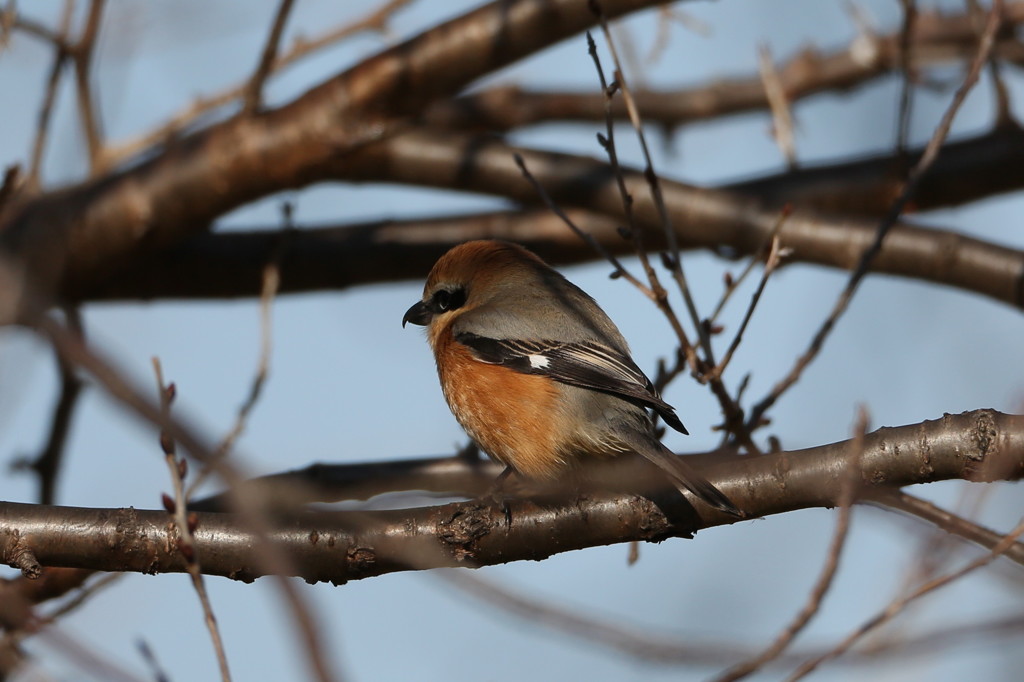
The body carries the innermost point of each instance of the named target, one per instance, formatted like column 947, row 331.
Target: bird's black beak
column 418, row 314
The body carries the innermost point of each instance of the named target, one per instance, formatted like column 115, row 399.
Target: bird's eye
column 445, row 300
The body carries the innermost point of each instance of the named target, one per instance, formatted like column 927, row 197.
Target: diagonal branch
column 72, row 236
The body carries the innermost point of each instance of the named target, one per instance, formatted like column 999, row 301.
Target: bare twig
column 271, row 284
column 84, row 594
column 850, row 490
column 48, row 462
column 74, row 351
column 254, row 89
column 920, row 170
column 82, row 53
column 653, row 182
column 953, row 524
column 620, row 270
column 178, row 509
column 654, row 290
column 60, row 58
column 899, row 605
column 733, row 415
column 375, row 21
column 733, row 283
column 906, row 45
column 775, row 255
column 778, row 103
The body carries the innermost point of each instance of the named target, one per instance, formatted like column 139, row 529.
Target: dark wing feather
column 584, row 364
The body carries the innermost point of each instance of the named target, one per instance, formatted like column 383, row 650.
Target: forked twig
column 733, row 414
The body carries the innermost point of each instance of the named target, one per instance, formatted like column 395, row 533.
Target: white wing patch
column 539, row 361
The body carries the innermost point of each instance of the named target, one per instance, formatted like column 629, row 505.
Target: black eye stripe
column 445, row 300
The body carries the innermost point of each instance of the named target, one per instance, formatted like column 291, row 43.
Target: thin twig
column 84, row 594
column 48, row 462
column 899, row 605
column 850, row 490
column 620, row 270
column 82, row 53
column 655, row 291
column 276, row 562
column 732, row 284
column 60, row 59
column 654, row 183
column 906, row 71
column 954, row 524
column 916, row 175
column 778, row 103
column 254, row 90
column 774, row 260
column 733, row 415
column 271, row 282
column 376, row 20
column 178, row 509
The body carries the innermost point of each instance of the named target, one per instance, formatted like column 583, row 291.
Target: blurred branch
column 650, row 647
column 705, row 218
column 945, row 520
column 897, row 606
column 254, row 88
column 68, row 237
column 79, row 236
column 936, row 38
column 967, row 170
column 332, row 257
column 81, row 54
column 376, row 20
column 62, row 51
column 849, row 492
column 341, row 546
column 250, row 511
column 47, row 463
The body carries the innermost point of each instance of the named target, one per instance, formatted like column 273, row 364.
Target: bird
column 536, row 372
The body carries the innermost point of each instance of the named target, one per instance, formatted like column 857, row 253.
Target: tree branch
column 705, row 218
column 342, row 546
column 937, row 38
column 69, row 237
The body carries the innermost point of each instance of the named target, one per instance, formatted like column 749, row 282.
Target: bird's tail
column 686, row 477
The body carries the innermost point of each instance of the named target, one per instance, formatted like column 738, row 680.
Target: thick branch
column 967, row 170
column 704, row 218
column 342, row 546
column 230, row 264
column 335, row 257
column 69, row 237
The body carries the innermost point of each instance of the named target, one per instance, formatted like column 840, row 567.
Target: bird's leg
column 498, row 492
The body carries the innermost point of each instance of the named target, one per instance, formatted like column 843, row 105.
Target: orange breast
column 512, row 416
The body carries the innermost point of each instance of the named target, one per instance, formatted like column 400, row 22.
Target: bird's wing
column 585, row 364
